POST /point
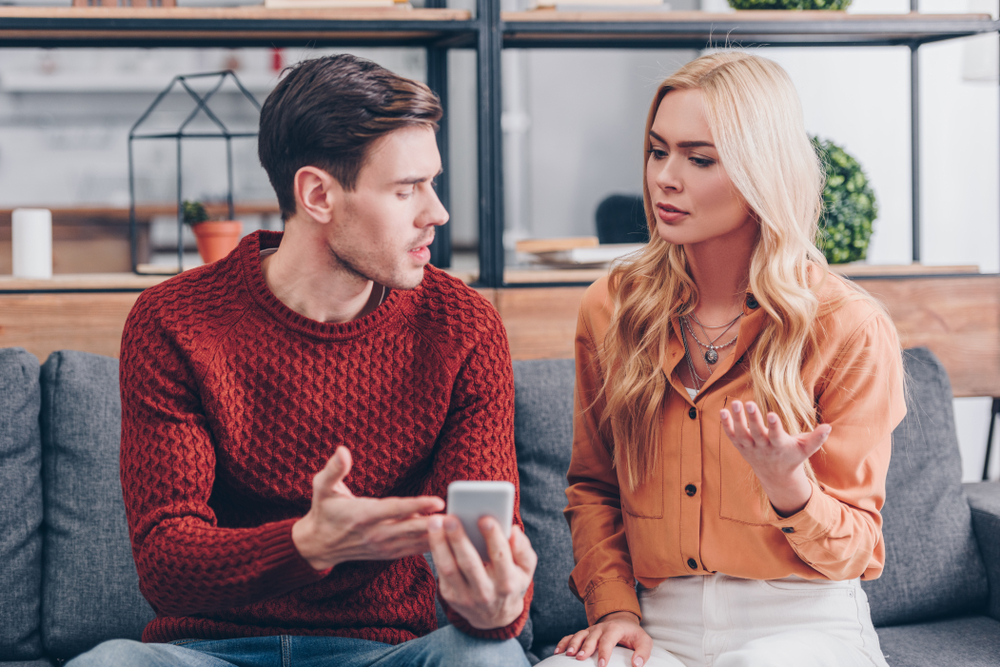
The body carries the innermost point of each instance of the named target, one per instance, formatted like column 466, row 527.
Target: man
column 293, row 414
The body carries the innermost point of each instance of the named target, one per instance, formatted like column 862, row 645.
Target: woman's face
column 693, row 199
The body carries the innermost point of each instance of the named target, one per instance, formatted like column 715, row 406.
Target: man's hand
column 776, row 457
column 487, row 595
column 340, row 527
column 618, row 629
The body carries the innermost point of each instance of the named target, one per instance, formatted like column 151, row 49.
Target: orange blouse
column 702, row 511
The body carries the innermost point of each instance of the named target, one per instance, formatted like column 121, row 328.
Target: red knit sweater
column 232, row 402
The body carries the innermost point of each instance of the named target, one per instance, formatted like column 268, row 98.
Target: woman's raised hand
column 620, row 628
column 776, row 457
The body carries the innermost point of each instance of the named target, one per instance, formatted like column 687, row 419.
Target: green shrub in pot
column 790, row 4
column 194, row 212
column 849, row 206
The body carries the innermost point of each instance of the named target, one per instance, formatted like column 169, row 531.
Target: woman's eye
column 702, row 162
column 406, row 194
column 657, row 153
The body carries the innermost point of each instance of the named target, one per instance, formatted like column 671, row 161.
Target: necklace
column 711, row 355
column 696, row 379
column 382, row 298
column 727, row 325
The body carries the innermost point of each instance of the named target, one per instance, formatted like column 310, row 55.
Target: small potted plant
column 849, row 206
column 215, row 238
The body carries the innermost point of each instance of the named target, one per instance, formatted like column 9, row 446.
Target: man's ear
column 316, row 193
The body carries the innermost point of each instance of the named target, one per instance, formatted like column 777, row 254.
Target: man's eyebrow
column 413, row 180
column 684, row 144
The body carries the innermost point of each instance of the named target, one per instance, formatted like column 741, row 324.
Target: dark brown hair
column 327, row 113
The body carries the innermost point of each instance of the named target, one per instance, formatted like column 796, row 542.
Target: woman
column 735, row 403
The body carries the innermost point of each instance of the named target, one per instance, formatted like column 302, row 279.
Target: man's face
column 382, row 229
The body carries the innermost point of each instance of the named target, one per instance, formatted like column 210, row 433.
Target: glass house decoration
column 200, row 123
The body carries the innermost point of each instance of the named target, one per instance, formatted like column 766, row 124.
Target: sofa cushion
column 933, row 568
column 90, row 590
column 21, row 507
column 543, row 433
column 970, row 642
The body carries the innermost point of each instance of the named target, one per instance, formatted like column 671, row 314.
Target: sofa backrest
column 933, row 567
column 20, row 507
column 543, row 431
column 90, row 589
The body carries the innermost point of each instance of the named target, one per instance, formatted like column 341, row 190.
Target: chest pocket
column 646, row 502
column 741, row 498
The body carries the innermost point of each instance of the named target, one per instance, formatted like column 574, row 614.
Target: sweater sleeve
column 603, row 576
column 839, row 531
column 186, row 563
column 477, row 439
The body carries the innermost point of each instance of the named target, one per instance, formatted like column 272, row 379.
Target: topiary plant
column 790, row 4
column 849, row 206
column 193, row 212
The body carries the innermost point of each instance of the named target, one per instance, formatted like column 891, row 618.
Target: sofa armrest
column 984, row 499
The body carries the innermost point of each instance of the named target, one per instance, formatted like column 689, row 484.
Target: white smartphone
column 470, row 501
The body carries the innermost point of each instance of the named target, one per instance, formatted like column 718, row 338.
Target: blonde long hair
column 756, row 121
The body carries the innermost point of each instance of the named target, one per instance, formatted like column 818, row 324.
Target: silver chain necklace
column 727, row 325
column 696, row 379
column 711, row 354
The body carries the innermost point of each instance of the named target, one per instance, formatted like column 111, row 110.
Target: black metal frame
column 201, row 106
column 704, row 34
column 489, row 34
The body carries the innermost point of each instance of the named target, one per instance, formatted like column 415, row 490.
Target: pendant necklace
column 711, row 349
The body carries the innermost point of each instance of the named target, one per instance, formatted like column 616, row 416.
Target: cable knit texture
column 232, row 402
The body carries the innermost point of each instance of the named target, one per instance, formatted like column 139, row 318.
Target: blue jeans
column 442, row 648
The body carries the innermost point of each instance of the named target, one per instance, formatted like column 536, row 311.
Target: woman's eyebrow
column 683, row 144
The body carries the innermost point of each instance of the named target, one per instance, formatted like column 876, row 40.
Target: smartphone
column 470, row 501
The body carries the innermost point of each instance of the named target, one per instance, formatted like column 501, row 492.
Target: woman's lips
column 668, row 213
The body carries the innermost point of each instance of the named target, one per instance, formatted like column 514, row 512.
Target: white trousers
column 722, row 621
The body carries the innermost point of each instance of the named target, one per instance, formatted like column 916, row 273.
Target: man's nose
column 436, row 214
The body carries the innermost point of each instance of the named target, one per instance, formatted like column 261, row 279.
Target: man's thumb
column 333, row 473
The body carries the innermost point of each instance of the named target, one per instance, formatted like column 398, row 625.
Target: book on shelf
column 575, row 252
column 551, row 245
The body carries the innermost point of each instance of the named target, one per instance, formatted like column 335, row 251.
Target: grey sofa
column 67, row 580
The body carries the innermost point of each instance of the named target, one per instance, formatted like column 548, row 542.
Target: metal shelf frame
column 699, row 31
column 488, row 32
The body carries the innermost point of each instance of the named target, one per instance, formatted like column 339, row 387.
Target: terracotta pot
column 217, row 238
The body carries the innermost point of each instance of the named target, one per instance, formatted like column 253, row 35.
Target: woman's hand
column 776, row 457
column 620, row 628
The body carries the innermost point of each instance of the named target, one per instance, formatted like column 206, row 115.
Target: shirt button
column 690, row 489
column 788, row 529
column 692, row 563
column 693, row 413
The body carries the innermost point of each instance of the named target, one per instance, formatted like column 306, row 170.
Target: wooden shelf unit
column 956, row 314
column 233, row 26
column 559, row 29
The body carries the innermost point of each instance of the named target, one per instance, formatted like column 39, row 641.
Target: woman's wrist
column 619, row 616
column 790, row 495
